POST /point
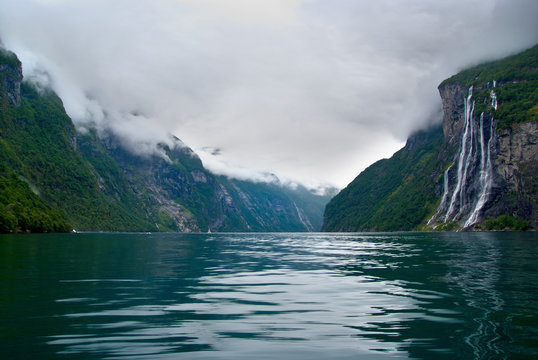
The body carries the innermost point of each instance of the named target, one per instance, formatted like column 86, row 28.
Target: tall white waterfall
column 486, row 173
column 445, row 195
column 471, row 186
column 493, row 96
column 464, row 156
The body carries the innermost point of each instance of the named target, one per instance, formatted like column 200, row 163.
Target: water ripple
column 287, row 296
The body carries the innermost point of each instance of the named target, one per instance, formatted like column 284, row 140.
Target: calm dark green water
column 269, row 296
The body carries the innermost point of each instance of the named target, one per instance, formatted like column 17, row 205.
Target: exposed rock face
column 492, row 172
column 453, row 96
column 517, row 152
column 516, row 168
column 10, row 78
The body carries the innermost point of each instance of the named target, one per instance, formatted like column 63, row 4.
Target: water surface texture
column 269, row 296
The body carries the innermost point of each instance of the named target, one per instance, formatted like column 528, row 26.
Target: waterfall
column 464, row 157
column 465, row 196
column 482, row 146
column 493, row 99
column 445, row 195
column 493, row 96
column 486, row 173
column 468, row 161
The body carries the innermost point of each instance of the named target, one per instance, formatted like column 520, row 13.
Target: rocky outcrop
column 453, row 96
column 10, row 78
column 517, row 153
column 516, row 169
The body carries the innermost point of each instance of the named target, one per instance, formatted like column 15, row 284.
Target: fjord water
column 269, row 296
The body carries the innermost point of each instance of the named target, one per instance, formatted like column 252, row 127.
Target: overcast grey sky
column 313, row 90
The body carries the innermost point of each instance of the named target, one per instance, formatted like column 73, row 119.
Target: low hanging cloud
column 308, row 89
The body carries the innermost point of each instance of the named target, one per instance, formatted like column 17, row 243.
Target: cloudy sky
column 313, row 90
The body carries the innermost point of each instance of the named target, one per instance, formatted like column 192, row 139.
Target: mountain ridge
column 55, row 178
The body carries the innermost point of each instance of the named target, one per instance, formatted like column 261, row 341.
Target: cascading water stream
column 468, row 161
column 474, row 177
column 493, row 99
column 482, row 146
column 486, row 173
column 445, row 195
column 464, row 157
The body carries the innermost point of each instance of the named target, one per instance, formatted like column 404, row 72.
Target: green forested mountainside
column 392, row 194
column 38, row 145
column 521, row 67
column 20, row 206
column 55, row 179
column 23, row 210
column 403, row 192
column 516, row 87
column 208, row 202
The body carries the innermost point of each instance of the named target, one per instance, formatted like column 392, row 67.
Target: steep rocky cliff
column 516, row 166
column 483, row 176
column 490, row 122
column 10, row 79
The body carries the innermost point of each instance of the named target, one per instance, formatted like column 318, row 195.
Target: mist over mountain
column 54, row 177
column 312, row 91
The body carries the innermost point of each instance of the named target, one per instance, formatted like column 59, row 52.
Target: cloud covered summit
column 309, row 89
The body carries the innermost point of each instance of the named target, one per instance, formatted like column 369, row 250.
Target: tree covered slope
column 55, row 179
column 392, row 194
column 40, row 164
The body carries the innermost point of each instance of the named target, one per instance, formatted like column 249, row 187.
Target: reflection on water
column 477, row 273
column 287, row 296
